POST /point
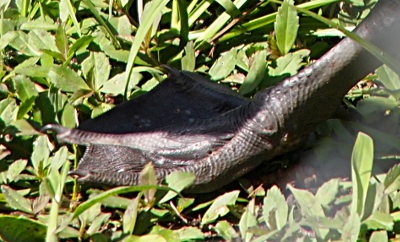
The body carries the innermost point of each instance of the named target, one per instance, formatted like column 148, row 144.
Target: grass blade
column 143, row 29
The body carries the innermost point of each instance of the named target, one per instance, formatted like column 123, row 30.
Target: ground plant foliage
column 68, row 61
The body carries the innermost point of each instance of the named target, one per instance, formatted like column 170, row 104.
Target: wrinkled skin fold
column 189, row 123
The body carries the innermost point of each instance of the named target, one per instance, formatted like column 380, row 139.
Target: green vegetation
column 68, row 61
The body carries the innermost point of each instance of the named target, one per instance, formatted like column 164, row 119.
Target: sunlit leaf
column 66, row 79
column 148, row 178
column 25, row 87
column 178, row 180
column 16, row 200
column 286, row 26
column 62, row 42
column 275, row 209
column 256, row 73
column 362, row 160
column 225, row 230
column 224, row 65
column 247, row 220
column 189, row 59
column 328, row 192
column 379, row 220
column 8, row 110
column 130, row 215
column 15, row 169
column 41, row 151
column 96, row 224
column 220, row 207
column 100, row 65
column 392, row 179
column 379, row 236
column 351, row 228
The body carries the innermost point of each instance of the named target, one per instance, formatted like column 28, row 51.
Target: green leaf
column 286, row 26
column 224, row 65
column 395, row 216
column 288, row 64
column 247, row 221
column 25, row 107
column 80, row 44
column 66, row 79
column 66, row 9
column 379, row 220
column 308, row 203
column 62, row 42
column 361, row 164
column 41, row 39
column 96, row 224
column 148, row 178
column 225, row 230
column 392, row 179
column 25, row 87
column 190, row 234
column 41, row 151
column 7, row 38
column 40, row 203
column 130, row 215
column 189, row 59
column 351, row 228
column 39, row 24
column 184, row 203
column 69, row 116
column 24, row 127
column 379, row 236
column 16, row 200
column 33, row 70
column 15, row 169
column 178, row 180
column 21, row 43
column 145, row 238
column 116, row 84
column 104, row 23
column 53, row 54
column 256, row 73
column 220, row 207
column 371, row 106
column 20, row 229
column 109, row 49
column 59, row 158
column 102, row 108
column 327, row 193
column 388, row 77
column 90, row 214
column 116, row 202
column 55, row 181
column 310, row 207
column 8, row 110
column 100, row 64
column 275, row 209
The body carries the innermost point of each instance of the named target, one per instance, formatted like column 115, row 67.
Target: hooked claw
column 59, row 129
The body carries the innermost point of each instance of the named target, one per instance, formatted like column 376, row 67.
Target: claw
column 171, row 71
column 79, row 173
column 59, row 129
